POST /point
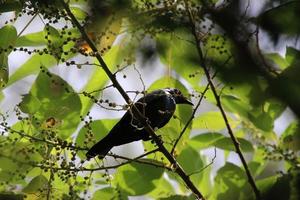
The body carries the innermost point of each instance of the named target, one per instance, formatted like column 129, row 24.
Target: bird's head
column 178, row 96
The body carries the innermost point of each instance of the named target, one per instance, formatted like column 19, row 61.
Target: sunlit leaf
column 292, row 55
column 8, row 35
column 30, row 104
column 3, row 69
column 163, row 188
column 191, row 166
column 291, row 137
column 227, row 144
column 99, row 129
column 212, row 121
column 78, row 13
column 236, row 105
column 105, row 193
column 178, row 197
column 32, row 66
column 205, row 140
column 137, row 179
column 57, row 101
column 37, row 183
column 229, row 182
column 178, row 52
column 262, row 120
column 278, row 60
column 54, row 41
column 218, row 140
column 31, row 39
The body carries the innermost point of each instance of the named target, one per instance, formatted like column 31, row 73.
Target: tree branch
column 219, row 105
column 178, row 169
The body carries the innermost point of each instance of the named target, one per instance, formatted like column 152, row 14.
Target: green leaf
column 226, row 144
column 32, row 66
column 191, row 166
column 57, row 100
column 275, row 187
column 163, row 188
column 13, row 5
column 54, row 41
column 37, row 183
column 136, row 178
column 3, row 69
column 1, row 97
column 278, row 60
column 99, row 129
column 30, row 104
column 262, row 120
column 8, row 35
column 218, row 140
column 7, row 164
column 217, row 48
column 275, row 108
column 290, row 138
column 205, row 140
column 14, row 160
column 231, row 183
column 213, row 121
column 286, row 86
column 105, row 193
column 31, row 39
column 178, row 197
column 281, row 19
column 292, row 55
column 78, row 13
column 11, row 196
column 235, row 105
column 38, row 38
column 179, row 52
column 255, row 167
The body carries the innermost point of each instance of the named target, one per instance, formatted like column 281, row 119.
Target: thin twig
column 270, row 68
column 219, row 105
column 56, row 144
column 26, row 26
column 190, row 119
column 206, row 166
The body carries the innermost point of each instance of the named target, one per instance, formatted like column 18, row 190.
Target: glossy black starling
column 158, row 106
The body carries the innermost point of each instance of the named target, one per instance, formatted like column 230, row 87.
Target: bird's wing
column 158, row 106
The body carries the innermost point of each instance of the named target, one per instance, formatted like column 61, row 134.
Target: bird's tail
column 101, row 148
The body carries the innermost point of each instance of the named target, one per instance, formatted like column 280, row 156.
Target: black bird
column 158, row 106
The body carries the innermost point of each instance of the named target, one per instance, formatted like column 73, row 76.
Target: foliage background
column 56, row 100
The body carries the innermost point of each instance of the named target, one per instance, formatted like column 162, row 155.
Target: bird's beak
column 186, row 101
